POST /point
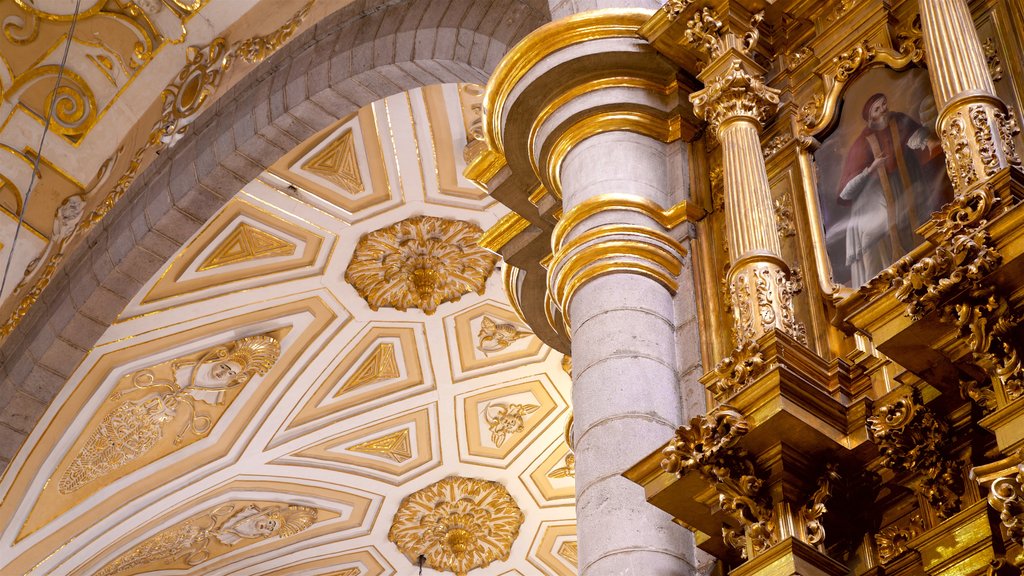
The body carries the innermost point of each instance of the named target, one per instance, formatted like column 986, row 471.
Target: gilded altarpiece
column 888, row 443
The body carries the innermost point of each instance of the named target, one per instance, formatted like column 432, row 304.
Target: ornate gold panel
column 554, row 548
column 498, row 421
column 488, row 338
column 241, row 242
column 103, row 388
column 286, row 513
column 342, row 165
column 387, row 450
column 551, row 478
column 350, row 387
column 337, row 163
column 246, row 243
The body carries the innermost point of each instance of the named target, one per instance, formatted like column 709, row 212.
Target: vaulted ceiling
column 346, row 403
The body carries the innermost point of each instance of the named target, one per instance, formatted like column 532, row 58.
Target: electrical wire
column 39, row 149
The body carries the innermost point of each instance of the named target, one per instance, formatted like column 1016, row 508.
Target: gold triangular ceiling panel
column 388, row 450
column 249, row 242
column 245, row 243
column 337, row 163
column 382, row 366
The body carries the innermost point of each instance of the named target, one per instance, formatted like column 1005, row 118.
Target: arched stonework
column 358, row 54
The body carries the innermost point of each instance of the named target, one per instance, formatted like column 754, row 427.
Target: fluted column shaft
column 735, row 101
column 977, row 133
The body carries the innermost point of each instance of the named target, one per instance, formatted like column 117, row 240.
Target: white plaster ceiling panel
column 258, row 418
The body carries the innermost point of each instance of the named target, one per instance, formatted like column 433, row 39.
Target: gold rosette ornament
column 420, row 262
column 457, row 524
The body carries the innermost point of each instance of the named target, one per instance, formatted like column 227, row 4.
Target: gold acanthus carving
column 182, row 101
column 995, row 67
column 1006, row 496
column 815, row 509
column 978, row 142
column 736, row 371
column 986, row 322
column 708, row 448
column 457, row 524
column 504, row 420
column 892, row 540
column 704, row 33
column 734, row 93
column 227, row 526
column 257, row 48
column 420, row 262
column 196, row 385
column 911, row 438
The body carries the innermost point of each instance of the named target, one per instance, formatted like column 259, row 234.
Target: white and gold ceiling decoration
column 250, row 414
column 137, row 73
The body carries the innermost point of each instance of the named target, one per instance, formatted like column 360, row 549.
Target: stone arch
column 363, row 52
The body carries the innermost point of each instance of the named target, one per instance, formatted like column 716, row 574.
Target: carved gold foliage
column 675, row 7
column 129, row 431
column 494, row 336
column 708, row 447
column 704, row 33
column 246, row 243
column 457, row 524
column 504, row 420
column 892, row 540
column 734, row 93
column 734, row 372
column 911, row 438
column 190, row 541
column 1007, row 497
column 183, row 99
column 380, row 365
column 395, row 446
column 1008, row 128
column 955, row 265
column 337, row 163
column 995, row 67
column 420, row 262
column 813, row 512
column 256, row 49
column 986, row 322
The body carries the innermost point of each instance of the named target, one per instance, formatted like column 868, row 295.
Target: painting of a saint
column 881, row 173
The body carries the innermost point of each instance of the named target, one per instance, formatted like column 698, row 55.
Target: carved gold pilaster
column 1004, row 480
column 977, row 130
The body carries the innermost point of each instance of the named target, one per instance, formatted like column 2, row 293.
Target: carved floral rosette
column 420, row 262
column 457, row 524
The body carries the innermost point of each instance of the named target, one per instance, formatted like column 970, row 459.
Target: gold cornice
column 643, row 120
column 484, row 166
column 550, row 38
column 668, row 218
column 504, row 230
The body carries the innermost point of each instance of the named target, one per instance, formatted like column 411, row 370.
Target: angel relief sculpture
column 190, row 390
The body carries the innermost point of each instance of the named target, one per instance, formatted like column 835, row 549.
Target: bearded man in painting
column 882, row 183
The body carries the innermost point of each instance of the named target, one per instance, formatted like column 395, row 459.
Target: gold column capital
column 734, row 89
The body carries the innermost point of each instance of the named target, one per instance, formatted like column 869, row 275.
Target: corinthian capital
column 733, row 93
